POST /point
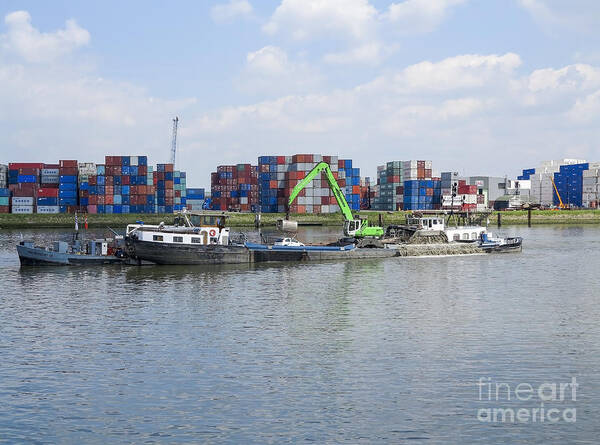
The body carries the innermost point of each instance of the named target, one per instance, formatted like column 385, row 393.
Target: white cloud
column 227, row 12
column 568, row 78
column 270, row 72
column 419, row 15
column 307, row 19
column 33, row 46
column 368, row 53
column 576, row 15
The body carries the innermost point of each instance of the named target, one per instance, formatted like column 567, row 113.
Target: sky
column 483, row 87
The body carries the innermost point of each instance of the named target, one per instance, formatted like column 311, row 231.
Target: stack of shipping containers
column 4, row 191
column 278, row 175
column 234, row 187
column 195, row 198
column 421, row 190
column 591, row 186
column 390, row 178
column 48, row 193
column 569, row 183
column 165, row 191
column 179, row 187
column 542, row 189
column 24, row 183
column 67, row 185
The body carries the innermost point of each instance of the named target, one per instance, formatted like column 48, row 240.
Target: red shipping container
column 4, row 209
column 281, row 160
column 316, row 209
column 51, row 166
column 429, row 192
column 67, row 163
column 428, row 173
column 124, row 180
column 70, row 171
column 169, row 185
column 18, row 165
column 29, row 171
column 108, row 199
column 93, row 199
column 100, row 199
column 109, row 180
column 169, row 168
column 92, row 180
column 53, row 185
column 47, row 193
column 92, row 209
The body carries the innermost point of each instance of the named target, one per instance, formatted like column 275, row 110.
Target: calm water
column 379, row 351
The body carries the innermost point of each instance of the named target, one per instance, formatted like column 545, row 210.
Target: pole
column 529, row 217
column 499, row 219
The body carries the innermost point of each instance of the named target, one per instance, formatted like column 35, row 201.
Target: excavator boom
column 352, row 227
column 333, row 185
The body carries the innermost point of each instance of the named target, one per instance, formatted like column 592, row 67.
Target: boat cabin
column 189, row 228
column 427, row 222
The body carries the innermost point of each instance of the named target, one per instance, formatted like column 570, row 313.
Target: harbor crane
column 174, row 140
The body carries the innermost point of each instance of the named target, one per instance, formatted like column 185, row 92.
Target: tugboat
column 489, row 244
column 90, row 252
column 194, row 238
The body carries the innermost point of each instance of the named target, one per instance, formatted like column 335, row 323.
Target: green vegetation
column 269, row 219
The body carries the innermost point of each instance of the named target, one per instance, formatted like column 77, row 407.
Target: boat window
column 178, row 239
column 196, row 240
column 157, row 238
column 456, row 237
column 474, row 235
column 465, row 236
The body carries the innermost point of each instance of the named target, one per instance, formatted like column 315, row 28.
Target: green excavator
column 353, row 226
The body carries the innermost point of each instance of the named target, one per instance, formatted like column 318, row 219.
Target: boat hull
column 167, row 253
column 35, row 256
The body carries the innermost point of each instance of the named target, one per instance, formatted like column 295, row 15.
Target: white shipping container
column 244, row 200
column 50, row 172
column 22, row 200
column 48, row 209
column 428, row 164
column 22, row 209
column 133, row 160
column 317, row 158
column 309, row 208
column 409, row 165
column 325, row 209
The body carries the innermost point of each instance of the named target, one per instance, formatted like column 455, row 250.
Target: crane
column 561, row 205
column 174, row 140
column 358, row 228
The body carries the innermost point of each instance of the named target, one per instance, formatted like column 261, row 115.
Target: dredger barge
column 204, row 238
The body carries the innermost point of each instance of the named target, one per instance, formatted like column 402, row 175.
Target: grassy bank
column 269, row 219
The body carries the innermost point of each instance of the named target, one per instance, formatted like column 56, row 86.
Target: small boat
column 91, row 252
column 498, row 245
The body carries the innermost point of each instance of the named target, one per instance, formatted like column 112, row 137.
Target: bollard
column 499, row 219
column 529, row 217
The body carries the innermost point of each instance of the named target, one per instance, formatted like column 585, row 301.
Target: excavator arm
column 333, row 185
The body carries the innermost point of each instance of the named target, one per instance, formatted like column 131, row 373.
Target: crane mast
column 174, row 140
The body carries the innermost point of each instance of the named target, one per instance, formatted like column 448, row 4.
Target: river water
column 379, row 351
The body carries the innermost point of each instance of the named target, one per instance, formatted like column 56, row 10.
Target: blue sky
column 479, row 86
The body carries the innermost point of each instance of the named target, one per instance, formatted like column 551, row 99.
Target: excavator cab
column 352, row 226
